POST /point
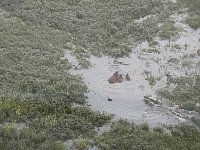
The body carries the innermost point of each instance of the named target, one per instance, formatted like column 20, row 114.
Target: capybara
column 120, row 78
column 114, row 78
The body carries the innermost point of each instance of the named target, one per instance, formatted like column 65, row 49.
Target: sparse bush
column 174, row 60
column 191, row 106
column 57, row 118
column 122, row 136
column 176, row 46
column 27, row 138
column 187, row 64
column 185, row 93
column 151, row 50
column 193, row 21
column 82, row 144
column 158, row 129
column 176, row 132
column 168, row 30
column 144, row 126
column 151, row 79
column 100, row 26
column 193, row 9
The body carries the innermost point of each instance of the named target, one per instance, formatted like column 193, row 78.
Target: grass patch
column 151, row 50
column 35, row 85
column 149, row 77
column 174, row 60
column 31, row 66
column 27, row 138
column 100, row 27
column 194, row 21
column 168, row 30
column 194, row 12
column 124, row 135
column 58, row 119
column 185, row 93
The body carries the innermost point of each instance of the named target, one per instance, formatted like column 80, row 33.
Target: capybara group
column 118, row 78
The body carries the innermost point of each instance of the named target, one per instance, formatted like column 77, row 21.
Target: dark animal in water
column 109, row 99
column 128, row 77
column 114, row 78
column 120, row 78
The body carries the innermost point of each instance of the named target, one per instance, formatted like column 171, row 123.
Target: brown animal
column 114, row 78
column 120, row 78
column 128, row 77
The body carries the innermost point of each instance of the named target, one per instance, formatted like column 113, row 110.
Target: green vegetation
column 56, row 118
column 151, row 50
column 194, row 21
column 31, row 67
column 194, row 12
column 196, row 121
column 174, row 60
column 12, row 139
column 101, row 27
column 82, row 144
column 186, row 64
column 149, row 77
column 36, row 88
column 168, row 30
column 176, row 46
column 124, row 135
column 186, row 92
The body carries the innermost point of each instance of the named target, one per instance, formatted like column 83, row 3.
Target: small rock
column 128, row 77
column 120, row 79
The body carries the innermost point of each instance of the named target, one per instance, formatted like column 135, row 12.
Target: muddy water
column 127, row 97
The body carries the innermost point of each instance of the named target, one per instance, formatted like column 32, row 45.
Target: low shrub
column 27, row 138
column 194, row 21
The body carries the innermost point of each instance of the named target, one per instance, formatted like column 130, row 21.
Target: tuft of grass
column 193, row 21
column 126, row 135
column 36, row 86
column 194, row 12
column 100, row 27
column 174, row 60
column 82, row 144
column 151, row 50
column 185, row 93
column 56, row 118
column 27, row 138
column 168, row 30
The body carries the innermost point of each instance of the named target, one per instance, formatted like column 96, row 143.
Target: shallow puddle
column 128, row 96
